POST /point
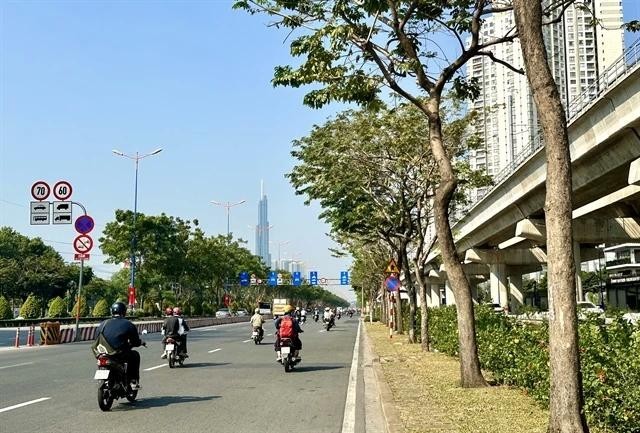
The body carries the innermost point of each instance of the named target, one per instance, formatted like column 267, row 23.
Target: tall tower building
column 578, row 52
column 262, row 229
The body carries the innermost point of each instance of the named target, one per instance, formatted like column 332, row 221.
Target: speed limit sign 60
column 62, row 190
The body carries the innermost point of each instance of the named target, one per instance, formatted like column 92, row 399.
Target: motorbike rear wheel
column 287, row 365
column 172, row 360
column 105, row 399
column 132, row 394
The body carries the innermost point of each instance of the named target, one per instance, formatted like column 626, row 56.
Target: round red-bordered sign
column 83, row 244
column 40, row 190
column 62, row 190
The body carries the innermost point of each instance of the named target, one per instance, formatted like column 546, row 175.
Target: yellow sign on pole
column 392, row 268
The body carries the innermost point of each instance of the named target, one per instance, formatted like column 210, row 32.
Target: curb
column 390, row 414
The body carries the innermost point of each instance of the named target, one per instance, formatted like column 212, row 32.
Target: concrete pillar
column 577, row 259
column 515, row 287
column 434, row 297
column 499, row 283
column 451, row 300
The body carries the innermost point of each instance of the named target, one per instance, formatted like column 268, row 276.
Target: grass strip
column 427, row 393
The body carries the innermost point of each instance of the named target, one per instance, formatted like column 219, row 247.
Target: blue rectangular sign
column 297, row 278
column 344, row 277
column 244, row 278
column 313, row 278
column 273, row 278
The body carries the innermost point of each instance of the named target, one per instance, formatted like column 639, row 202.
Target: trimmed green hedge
column 5, row 309
column 517, row 354
column 57, row 307
column 30, row 308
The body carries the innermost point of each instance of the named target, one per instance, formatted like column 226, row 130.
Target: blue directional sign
column 273, row 278
column 313, row 278
column 297, row 278
column 344, row 278
column 244, row 279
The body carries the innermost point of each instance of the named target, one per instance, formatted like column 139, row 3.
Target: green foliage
column 517, row 354
column 84, row 307
column 30, row 308
column 57, row 307
column 5, row 309
column 101, row 309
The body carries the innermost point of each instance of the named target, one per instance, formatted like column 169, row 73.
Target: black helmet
column 118, row 309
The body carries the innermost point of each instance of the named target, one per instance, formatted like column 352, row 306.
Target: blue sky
column 79, row 78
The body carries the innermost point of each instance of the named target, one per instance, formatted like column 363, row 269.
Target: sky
column 80, row 78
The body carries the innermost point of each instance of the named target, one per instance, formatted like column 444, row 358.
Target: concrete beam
column 586, row 231
column 470, row 269
column 622, row 194
column 511, row 242
column 517, row 257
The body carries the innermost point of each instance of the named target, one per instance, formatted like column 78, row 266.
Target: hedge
column 517, row 354
column 5, row 309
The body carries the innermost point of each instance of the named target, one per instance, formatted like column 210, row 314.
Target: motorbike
column 287, row 353
column 255, row 335
column 174, row 354
column 316, row 317
column 303, row 319
column 328, row 324
column 338, row 316
column 112, row 380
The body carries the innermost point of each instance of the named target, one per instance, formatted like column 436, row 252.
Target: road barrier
column 17, row 342
column 30, row 336
column 49, row 333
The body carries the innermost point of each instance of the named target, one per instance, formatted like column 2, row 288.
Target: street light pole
column 137, row 157
column 228, row 205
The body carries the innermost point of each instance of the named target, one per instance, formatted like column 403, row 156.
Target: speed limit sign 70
column 40, row 190
column 62, row 190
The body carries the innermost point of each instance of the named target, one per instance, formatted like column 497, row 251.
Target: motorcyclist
column 328, row 317
column 183, row 329
column 170, row 328
column 122, row 335
column 316, row 314
column 303, row 315
column 257, row 321
column 289, row 314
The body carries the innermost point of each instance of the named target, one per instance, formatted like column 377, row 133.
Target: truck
column 278, row 306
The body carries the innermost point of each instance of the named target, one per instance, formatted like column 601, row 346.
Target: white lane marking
column 27, row 403
column 16, row 365
column 269, row 335
column 322, row 330
column 246, row 341
column 349, row 420
column 153, row 368
column 214, row 350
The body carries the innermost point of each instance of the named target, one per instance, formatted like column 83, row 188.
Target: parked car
column 497, row 308
column 223, row 312
column 242, row 313
column 589, row 307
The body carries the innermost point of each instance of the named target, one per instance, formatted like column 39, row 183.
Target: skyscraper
column 577, row 56
column 262, row 229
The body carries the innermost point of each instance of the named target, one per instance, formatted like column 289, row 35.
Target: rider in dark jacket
column 122, row 335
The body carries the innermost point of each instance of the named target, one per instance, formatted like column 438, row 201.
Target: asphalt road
column 227, row 385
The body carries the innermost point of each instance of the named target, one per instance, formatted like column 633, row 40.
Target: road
column 227, row 385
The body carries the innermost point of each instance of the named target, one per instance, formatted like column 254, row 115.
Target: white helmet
column 257, row 310
column 326, row 309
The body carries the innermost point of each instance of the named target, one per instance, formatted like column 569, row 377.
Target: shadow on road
column 204, row 364
column 161, row 401
column 303, row 368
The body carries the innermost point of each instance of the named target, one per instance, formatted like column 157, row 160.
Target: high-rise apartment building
column 578, row 53
column 262, row 229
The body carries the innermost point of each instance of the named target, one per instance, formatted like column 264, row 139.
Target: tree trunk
column 424, row 312
column 399, row 326
column 565, row 404
column 470, row 373
column 411, row 291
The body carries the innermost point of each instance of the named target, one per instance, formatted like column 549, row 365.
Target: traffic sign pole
column 79, row 302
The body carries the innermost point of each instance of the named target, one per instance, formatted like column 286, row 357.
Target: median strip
column 26, row 403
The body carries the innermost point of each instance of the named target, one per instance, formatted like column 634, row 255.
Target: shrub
column 518, row 354
column 5, row 309
column 30, row 308
column 84, row 308
column 57, row 307
column 101, row 309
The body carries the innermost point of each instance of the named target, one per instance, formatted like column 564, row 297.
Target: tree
column 352, row 49
column 5, row 309
column 84, row 307
column 57, row 307
column 30, row 308
column 566, row 398
column 101, row 309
